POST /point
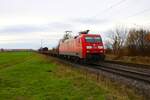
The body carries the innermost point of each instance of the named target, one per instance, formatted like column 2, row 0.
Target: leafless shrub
column 138, row 42
column 117, row 38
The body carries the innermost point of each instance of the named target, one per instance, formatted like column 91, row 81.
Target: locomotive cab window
column 93, row 39
column 97, row 39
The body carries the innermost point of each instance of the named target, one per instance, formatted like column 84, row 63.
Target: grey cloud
column 90, row 21
column 55, row 26
column 22, row 29
column 58, row 25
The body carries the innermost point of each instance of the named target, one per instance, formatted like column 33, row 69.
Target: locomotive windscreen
column 93, row 39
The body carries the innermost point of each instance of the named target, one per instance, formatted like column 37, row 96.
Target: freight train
column 84, row 48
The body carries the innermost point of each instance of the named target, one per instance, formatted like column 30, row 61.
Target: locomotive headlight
column 88, row 47
column 100, row 47
column 87, row 51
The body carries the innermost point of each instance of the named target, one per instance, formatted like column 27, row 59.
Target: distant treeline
column 7, row 50
column 129, row 42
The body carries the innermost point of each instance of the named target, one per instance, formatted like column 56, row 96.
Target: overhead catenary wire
column 135, row 14
column 138, row 13
column 117, row 4
column 107, row 9
column 110, row 8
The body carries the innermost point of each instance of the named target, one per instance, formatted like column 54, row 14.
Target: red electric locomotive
column 87, row 47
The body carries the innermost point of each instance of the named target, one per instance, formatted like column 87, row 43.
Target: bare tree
column 138, row 41
column 147, row 37
column 117, row 38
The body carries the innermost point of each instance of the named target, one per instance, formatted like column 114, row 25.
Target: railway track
column 129, row 64
column 134, row 77
column 140, row 74
column 124, row 71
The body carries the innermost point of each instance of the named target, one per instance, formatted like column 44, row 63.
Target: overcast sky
column 24, row 23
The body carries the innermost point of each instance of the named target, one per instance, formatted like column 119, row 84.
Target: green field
column 31, row 76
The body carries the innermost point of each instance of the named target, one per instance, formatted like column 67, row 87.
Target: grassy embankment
column 31, row 76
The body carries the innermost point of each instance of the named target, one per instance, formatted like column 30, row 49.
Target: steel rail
column 142, row 66
column 124, row 72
